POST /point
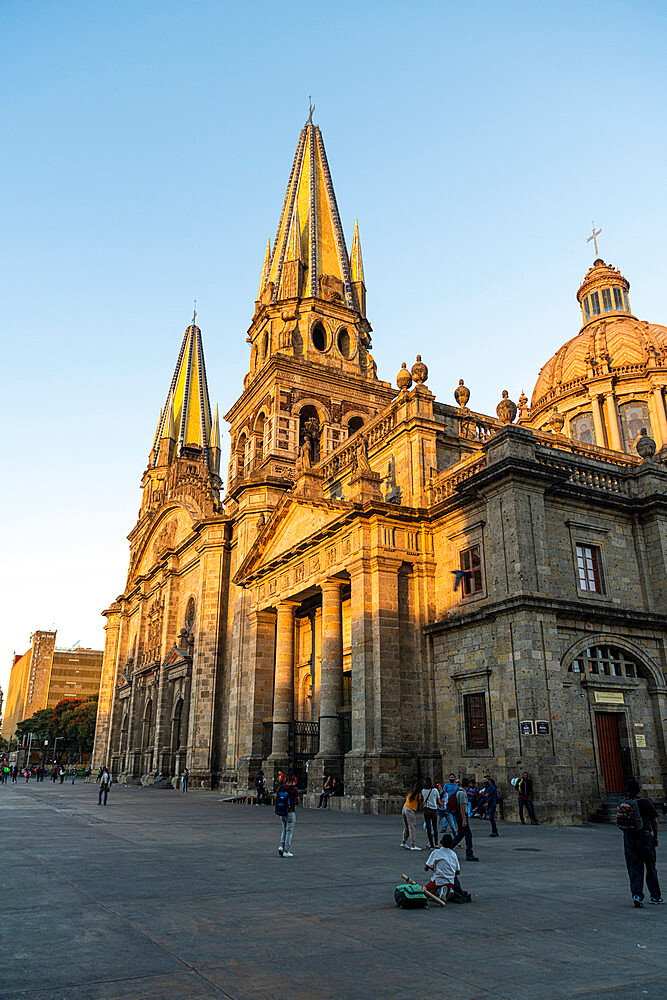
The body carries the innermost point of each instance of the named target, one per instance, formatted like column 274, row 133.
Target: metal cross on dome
column 311, row 108
column 594, row 237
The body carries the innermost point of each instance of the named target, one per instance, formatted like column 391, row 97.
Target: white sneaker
column 287, row 854
column 406, row 846
column 414, row 848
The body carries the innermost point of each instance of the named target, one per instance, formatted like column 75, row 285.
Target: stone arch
column 650, row 669
column 147, row 724
column 322, row 412
column 258, row 431
column 353, row 420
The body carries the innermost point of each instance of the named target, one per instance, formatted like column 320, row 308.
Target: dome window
column 587, row 309
column 319, row 337
column 606, row 300
column 618, row 299
column 625, row 299
column 344, row 343
column 582, row 428
column 595, row 303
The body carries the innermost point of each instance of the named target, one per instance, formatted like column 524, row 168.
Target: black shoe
column 494, row 835
column 533, row 822
column 472, row 858
column 523, row 822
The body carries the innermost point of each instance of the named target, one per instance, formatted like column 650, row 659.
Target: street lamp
column 55, row 748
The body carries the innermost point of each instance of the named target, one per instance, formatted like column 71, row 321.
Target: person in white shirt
column 431, row 798
column 444, row 864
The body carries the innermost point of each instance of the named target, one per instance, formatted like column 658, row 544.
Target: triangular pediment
column 296, row 523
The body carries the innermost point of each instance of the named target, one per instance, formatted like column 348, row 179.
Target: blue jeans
column 447, row 821
column 288, row 824
column 491, row 813
column 104, row 790
column 464, row 831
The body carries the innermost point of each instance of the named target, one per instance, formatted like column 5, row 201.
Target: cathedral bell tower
column 312, row 379
column 184, row 462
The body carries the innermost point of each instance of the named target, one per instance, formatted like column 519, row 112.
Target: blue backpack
column 282, row 802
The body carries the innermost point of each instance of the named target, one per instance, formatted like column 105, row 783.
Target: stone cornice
column 630, row 617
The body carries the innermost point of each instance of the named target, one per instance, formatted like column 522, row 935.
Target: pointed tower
column 187, row 442
column 311, row 374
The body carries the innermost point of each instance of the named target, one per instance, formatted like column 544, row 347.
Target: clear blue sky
column 146, row 149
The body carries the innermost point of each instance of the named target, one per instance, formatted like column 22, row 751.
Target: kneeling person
column 444, row 864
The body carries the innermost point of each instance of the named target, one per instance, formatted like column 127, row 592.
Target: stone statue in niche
column 362, row 455
column 392, row 490
column 304, row 463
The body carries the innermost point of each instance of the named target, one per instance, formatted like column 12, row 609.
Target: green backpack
column 410, row 897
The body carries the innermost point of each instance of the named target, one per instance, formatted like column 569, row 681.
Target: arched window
column 259, row 436
column 253, row 358
column 240, row 454
column 122, row 734
column 354, row 425
column 319, row 337
column 189, row 614
column 310, row 430
column 265, row 346
column 582, row 428
column 344, row 343
column 178, row 724
column 148, row 723
column 633, row 416
column 606, row 661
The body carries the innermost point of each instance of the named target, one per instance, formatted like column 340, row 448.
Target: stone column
column 283, row 691
column 661, row 429
column 331, row 682
column 614, row 422
column 598, row 422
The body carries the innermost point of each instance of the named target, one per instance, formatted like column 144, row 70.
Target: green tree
column 73, row 720
column 40, row 725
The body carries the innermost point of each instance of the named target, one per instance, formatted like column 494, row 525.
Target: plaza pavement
column 163, row 896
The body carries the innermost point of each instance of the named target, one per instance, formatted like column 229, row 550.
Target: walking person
column 73, row 773
column 462, row 823
column 185, row 777
column 525, row 789
column 490, row 796
column 287, row 799
column 431, row 799
column 409, row 813
column 638, row 820
column 259, row 788
column 105, row 785
column 61, row 774
column 88, row 774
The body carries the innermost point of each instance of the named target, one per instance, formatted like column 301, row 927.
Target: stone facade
column 392, row 586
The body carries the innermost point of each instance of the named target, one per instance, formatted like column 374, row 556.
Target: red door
column 609, row 746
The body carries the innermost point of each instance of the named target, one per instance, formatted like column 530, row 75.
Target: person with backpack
column 287, row 799
column 448, row 790
column 460, row 803
column 524, row 787
column 105, row 785
column 638, row 820
column 431, row 799
column 409, row 812
column 491, row 797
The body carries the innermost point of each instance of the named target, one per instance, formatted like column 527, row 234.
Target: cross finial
column 311, row 108
column 194, row 314
column 594, row 237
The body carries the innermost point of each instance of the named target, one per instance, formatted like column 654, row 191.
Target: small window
column 606, row 299
column 587, row 308
column 595, row 303
column 618, row 299
column 354, row 425
column 625, row 299
column 319, row 337
column 474, row 711
column 190, row 614
column 471, row 564
column 589, row 568
column 344, row 343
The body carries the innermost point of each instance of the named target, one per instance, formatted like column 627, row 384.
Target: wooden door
column 609, row 746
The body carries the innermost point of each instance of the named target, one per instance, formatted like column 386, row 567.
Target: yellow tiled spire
column 186, row 416
column 356, row 262
column 310, row 198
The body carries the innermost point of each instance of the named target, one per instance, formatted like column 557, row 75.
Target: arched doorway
column 310, row 430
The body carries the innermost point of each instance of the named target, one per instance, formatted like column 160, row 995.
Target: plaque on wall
column 612, row 697
column 526, row 727
column 542, row 727
column 640, row 740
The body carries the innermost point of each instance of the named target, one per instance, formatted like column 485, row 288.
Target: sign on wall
column 542, row 727
column 640, row 740
column 526, row 727
column 611, row 697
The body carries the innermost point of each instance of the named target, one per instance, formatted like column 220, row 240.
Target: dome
column 608, row 345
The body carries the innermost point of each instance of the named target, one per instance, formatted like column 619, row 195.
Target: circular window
column 190, row 614
column 344, row 343
column 319, row 337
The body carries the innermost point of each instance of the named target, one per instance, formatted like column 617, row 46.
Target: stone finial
column 461, row 394
column 404, row 378
column 419, row 371
column 506, row 408
column 556, row 422
column 645, row 446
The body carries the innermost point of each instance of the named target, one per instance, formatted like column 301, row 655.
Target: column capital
column 330, row 584
column 287, row 607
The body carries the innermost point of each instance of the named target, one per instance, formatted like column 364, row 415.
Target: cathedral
column 388, row 586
